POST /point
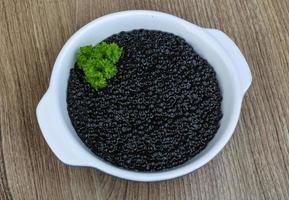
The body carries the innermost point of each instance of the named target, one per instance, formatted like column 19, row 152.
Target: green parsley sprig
column 99, row 63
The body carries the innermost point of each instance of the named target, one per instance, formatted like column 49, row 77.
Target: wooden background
column 255, row 163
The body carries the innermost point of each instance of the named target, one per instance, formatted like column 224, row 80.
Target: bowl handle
column 242, row 67
column 57, row 134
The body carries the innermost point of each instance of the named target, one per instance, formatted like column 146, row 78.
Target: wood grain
column 255, row 163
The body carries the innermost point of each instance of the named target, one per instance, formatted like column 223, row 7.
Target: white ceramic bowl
column 232, row 70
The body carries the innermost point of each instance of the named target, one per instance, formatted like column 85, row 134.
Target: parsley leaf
column 99, row 63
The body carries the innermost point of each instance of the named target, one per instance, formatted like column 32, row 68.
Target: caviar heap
column 161, row 109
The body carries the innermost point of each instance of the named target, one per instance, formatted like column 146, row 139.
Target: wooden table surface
column 253, row 165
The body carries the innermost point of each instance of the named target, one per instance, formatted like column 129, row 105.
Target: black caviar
column 161, row 109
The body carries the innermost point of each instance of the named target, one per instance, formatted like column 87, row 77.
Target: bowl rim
column 160, row 175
